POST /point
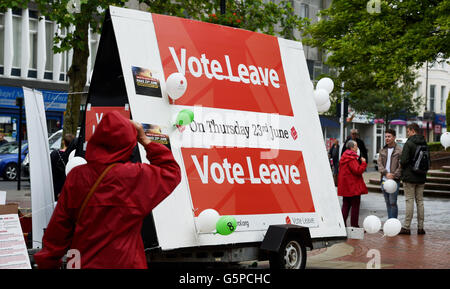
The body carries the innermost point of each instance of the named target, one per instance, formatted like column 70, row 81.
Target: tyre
column 292, row 255
column 10, row 173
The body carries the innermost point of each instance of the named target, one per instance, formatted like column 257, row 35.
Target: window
column 419, row 87
column 17, row 40
column 94, row 46
column 33, row 43
column 443, row 99
column 2, row 39
column 49, row 34
column 432, row 96
column 304, row 10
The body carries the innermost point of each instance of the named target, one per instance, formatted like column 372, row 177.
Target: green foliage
column 376, row 52
column 447, row 110
column 436, row 147
column 254, row 15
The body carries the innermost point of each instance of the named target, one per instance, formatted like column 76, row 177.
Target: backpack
column 421, row 161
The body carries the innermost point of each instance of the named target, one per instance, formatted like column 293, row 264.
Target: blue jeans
column 391, row 201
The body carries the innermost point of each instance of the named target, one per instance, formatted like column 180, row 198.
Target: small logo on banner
column 294, row 133
column 288, row 220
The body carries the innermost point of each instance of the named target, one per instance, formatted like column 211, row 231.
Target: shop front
column 55, row 105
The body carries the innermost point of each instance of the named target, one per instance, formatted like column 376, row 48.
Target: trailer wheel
column 292, row 255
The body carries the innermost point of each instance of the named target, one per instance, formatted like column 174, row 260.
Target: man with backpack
column 415, row 162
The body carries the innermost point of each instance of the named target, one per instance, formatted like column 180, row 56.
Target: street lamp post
column 19, row 103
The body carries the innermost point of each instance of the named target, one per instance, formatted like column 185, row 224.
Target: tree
column 388, row 104
column 254, row 15
column 79, row 15
column 376, row 51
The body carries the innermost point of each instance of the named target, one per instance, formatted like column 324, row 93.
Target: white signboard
column 255, row 149
column 13, row 251
column 42, row 196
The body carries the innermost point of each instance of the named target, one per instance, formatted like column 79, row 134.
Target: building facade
column 27, row 59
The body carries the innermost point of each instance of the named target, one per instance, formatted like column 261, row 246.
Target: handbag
column 91, row 192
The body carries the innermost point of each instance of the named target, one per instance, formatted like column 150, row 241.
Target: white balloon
column 372, row 224
column 390, row 186
column 72, row 155
column 207, row 220
column 325, row 83
column 176, row 85
column 324, row 107
column 74, row 162
column 392, row 227
column 321, row 96
column 445, row 139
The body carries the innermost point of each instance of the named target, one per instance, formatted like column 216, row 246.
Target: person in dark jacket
column 413, row 183
column 361, row 146
column 351, row 182
column 333, row 154
column 59, row 159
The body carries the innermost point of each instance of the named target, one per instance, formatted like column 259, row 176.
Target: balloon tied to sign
column 184, row 117
column 322, row 94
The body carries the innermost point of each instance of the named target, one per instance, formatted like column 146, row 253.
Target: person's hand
column 390, row 176
column 141, row 137
column 363, row 159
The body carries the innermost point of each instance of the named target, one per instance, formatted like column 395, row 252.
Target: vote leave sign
column 254, row 149
column 224, row 67
column 236, row 181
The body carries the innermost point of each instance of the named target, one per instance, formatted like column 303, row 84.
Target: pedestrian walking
column 104, row 202
column 390, row 169
column 333, row 155
column 413, row 179
column 351, row 183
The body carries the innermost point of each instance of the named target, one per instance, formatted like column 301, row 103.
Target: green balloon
column 226, row 225
column 190, row 113
column 183, row 118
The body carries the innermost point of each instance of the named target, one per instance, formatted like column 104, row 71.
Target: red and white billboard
column 255, row 149
column 224, row 67
column 236, row 181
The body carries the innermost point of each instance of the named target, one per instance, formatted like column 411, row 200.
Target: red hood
column 349, row 155
column 113, row 140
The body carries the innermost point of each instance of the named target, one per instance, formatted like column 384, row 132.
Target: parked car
column 399, row 141
column 8, row 159
column 54, row 143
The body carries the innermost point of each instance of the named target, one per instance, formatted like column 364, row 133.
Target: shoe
column 420, row 232
column 404, row 231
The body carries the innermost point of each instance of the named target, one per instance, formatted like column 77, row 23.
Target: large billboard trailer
column 254, row 150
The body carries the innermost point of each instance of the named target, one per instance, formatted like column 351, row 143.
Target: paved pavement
column 429, row 251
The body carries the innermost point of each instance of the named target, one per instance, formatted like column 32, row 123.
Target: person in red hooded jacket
column 351, row 183
column 107, row 234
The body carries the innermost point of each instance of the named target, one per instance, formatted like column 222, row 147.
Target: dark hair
column 413, row 126
column 390, row 131
column 68, row 138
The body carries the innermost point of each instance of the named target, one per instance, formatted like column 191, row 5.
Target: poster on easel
column 13, row 250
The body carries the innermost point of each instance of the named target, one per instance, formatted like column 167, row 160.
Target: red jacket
column 350, row 179
column 108, row 233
